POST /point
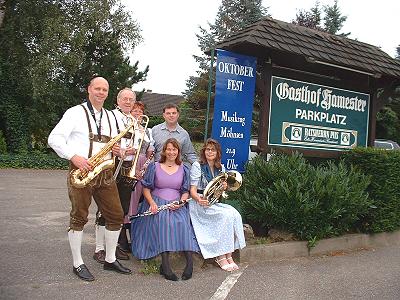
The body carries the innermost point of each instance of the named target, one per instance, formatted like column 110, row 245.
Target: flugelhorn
column 215, row 188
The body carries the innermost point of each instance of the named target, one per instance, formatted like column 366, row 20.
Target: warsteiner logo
column 345, row 138
column 297, row 133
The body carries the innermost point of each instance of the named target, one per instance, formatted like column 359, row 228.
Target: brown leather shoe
column 100, row 256
column 120, row 254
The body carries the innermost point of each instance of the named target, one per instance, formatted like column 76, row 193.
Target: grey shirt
column 161, row 133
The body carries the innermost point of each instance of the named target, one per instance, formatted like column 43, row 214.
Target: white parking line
column 226, row 286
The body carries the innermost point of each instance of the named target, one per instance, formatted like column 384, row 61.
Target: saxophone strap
column 101, row 138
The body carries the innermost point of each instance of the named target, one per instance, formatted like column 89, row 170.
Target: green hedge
column 384, row 168
column 33, row 160
column 312, row 202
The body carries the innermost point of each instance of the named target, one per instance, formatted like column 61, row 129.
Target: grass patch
column 151, row 266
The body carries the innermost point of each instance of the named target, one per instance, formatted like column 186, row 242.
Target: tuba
column 215, row 188
column 80, row 179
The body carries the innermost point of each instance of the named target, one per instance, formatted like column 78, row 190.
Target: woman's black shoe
column 186, row 276
column 170, row 276
column 187, row 273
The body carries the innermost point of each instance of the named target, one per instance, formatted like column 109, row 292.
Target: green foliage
column 155, row 120
column 388, row 118
column 233, row 202
column 332, row 20
column 311, row 19
column 387, row 124
column 384, row 190
column 261, row 241
column 312, row 202
column 192, row 121
column 232, row 16
column 197, row 98
column 151, row 266
column 49, row 52
column 197, row 146
column 33, row 160
column 3, row 145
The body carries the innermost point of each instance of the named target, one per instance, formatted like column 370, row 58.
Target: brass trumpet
column 128, row 175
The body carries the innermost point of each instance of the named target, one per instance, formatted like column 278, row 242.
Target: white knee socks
column 100, row 232
column 111, row 244
column 75, row 242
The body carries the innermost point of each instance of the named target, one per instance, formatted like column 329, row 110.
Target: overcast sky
column 169, row 31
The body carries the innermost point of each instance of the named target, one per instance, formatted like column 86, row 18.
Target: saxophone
column 80, row 179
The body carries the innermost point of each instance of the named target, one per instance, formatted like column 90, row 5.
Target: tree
column 50, row 49
column 333, row 19
column 388, row 118
column 232, row 16
column 387, row 124
column 311, row 19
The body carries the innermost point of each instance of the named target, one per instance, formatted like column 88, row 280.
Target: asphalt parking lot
column 36, row 261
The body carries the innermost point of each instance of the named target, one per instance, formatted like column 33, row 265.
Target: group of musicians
column 89, row 136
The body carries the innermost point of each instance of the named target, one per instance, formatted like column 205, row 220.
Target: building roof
column 315, row 46
column 155, row 103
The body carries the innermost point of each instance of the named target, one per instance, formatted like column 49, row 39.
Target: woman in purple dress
column 168, row 230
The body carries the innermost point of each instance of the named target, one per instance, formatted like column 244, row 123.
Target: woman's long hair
column 217, row 146
column 175, row 143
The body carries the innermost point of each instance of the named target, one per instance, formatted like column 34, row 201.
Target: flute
column 160, row 208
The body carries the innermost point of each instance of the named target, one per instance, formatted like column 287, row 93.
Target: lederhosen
column 102, row 188
column 124, row 191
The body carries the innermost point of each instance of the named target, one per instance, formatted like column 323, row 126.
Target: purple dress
column 167, row 230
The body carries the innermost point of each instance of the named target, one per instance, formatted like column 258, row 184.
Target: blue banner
column 233, row 107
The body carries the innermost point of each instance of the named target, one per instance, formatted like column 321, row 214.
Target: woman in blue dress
column 168, row 230
column 218, row 228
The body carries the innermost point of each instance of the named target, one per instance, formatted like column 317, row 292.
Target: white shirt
column 123, row 122
column 71, row 135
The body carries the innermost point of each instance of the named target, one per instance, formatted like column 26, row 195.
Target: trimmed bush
column 312, row 202
column 33, row 160
column 384, row 168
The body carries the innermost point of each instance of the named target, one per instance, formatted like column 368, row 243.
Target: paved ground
column 36, row 261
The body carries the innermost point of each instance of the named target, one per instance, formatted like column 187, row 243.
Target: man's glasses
column 128, row 100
